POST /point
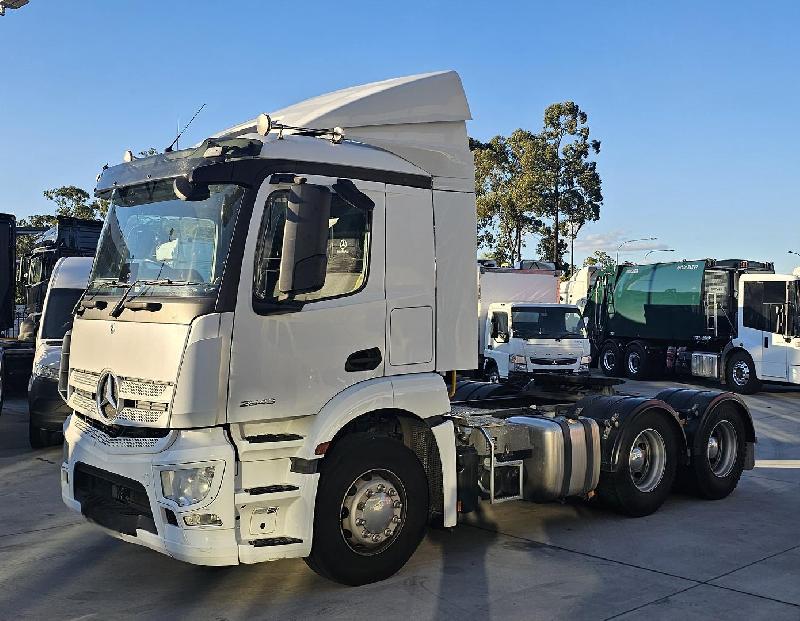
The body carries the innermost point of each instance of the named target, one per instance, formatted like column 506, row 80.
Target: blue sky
column 696, row 103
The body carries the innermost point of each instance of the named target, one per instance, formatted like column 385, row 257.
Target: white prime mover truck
column 522, row 330
column 257, row 369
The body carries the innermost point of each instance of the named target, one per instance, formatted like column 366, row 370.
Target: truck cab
column 524, row 338
column 767, row 344
column 46, row 408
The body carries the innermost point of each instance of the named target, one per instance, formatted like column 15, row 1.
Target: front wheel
column 40, row 438
column 647, row 465
column 371, row 510
column 493, row 374
column 740, row 374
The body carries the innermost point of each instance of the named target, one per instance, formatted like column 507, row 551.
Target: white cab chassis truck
column 521, row 328
column 256, row 368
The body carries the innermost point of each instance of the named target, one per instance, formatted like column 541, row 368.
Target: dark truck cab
column 68, row 237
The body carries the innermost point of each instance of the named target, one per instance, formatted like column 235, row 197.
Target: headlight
column 516, row 359
column 585, row 360
column 187, row 486
column 43, row 370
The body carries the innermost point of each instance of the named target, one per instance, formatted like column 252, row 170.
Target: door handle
column 363, row 360
column 766, row 342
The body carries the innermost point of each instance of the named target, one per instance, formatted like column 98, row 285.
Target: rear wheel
column 715, row 471
column 371, row 510
column 740, row 374
column 648, row 458
column 610, row 361
column 636, row 362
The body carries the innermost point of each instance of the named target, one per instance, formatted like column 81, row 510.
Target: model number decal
column 688, row 266
column 249, row 404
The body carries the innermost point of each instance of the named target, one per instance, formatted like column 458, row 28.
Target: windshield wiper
column 121, row 304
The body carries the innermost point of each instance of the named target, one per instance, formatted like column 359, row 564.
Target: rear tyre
column 371, row 510
column 610, row 360
column 636, row 362
column 715, row 472
column 740, row 374
column 648, row 453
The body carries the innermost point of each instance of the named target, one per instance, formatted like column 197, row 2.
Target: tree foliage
column 541, row 184
column 603, row 260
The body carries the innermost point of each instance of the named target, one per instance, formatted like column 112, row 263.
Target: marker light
column 263, row 124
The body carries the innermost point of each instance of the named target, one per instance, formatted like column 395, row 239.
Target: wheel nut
column 375, row 538
column 388, row 532
column 360, row 522
column 381, row 487
column 360, row 506
column 397, row 504
column 392, row 492
column 396, row 519
column 369, row 493
column 366, row 534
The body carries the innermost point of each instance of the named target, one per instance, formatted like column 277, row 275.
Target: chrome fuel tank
column 565, row 456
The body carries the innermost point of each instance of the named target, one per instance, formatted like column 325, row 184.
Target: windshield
column 178, row 248
column 546, row 322
column 57, row 317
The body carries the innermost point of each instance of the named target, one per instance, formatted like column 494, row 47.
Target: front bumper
column 47, row 408
column 116, row 483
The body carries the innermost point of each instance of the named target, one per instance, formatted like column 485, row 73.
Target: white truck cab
column 524, row 338
column 256, row 368
column 767, row 344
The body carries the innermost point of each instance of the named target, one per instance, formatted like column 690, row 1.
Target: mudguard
column 614, row 413
column 692, row 406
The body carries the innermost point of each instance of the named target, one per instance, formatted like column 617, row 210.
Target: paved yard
column 736, row 558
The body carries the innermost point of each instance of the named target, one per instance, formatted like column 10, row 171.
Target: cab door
column 498, row 340
column 765, row 317
column 290, row 357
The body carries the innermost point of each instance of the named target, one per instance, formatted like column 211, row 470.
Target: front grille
column 112, row 501
column 140, row 389
column 117, row 436
column 553, row 361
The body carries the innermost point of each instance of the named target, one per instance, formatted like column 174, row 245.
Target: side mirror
column 503, row 337
column 304, row 256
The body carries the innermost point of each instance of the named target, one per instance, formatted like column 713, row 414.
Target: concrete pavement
column 739, row 557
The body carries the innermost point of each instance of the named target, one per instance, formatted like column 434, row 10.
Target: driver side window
column 348, row 251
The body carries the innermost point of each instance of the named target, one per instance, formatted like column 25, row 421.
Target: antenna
column 180, row 133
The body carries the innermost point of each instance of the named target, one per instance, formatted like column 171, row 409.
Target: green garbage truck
column 719, row 319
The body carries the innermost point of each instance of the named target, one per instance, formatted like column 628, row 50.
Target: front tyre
column 740, row 374
column 715, row 470
column 371, row 510
column 647, row 465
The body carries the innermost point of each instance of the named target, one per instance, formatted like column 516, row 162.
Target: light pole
column 630, row 241
column 649, row 252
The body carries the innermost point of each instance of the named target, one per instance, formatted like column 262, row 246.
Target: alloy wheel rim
column 722, row 449
column 373, row 512
column 647, row 460
column 741, row 373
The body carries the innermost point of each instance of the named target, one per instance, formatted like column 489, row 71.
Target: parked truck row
column 262, row 364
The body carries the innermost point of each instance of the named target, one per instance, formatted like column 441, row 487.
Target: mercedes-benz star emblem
column 107, row 398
